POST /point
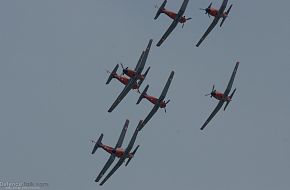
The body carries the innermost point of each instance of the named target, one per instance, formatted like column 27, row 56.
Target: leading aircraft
column 222, row 97
column 217, row 14
column 137, row 73
column 177, row 17
column 117, row 151
column 158, row 102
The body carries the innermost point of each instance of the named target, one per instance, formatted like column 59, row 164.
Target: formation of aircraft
column 177, row 18
column 222, row 97
column 217, row 14
column 133, row 78
column 117, row 151
column 158, row 102
column 132, row 81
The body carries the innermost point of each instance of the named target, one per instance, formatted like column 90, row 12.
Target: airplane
column 222, row 97
column 117, row 151
column 138, row 70
column 158, row 102
column 177, row 17
column 217, row 14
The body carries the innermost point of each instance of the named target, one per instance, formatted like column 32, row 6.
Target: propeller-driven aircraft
column 117, row 151
column 177, row 17
column 158, row 102
column 217, row 14
column 136, row 75
column 222, row 97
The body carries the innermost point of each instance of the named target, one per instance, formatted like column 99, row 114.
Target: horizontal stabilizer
column 227, row 13
column 231, row 96
column 144, row 75
column 160, row 9
column 98, row 143
column 143, row 94
column 112, row 74
column 133, row 153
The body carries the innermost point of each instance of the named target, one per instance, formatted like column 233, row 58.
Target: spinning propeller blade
column 167, row 101
column 209, row 5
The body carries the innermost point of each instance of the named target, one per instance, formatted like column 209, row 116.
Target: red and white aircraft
column 177, row 18
column 117, row 151
column 217, row 14
column 222, row 97
column 158, row 102
column 136, row 74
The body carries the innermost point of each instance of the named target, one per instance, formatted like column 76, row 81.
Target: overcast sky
column 53, row 100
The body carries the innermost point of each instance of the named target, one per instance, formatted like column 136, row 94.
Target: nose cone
column 207, row 10
column 163, row 104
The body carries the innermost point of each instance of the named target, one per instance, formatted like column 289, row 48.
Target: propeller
column 124, row 69
column 166, row 104
column 207, row 10
column 185, row 21
column 212, row 91
column 167, row 101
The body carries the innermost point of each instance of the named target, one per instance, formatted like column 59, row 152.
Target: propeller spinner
column 207, row 9
column 212, row 92
column 124, row 69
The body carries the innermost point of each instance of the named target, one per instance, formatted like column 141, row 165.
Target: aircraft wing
column 217, row 108
column 105, row 168
column 209, row 29
column 119, row 163
column 168, row 31
column 122, row 135
column 133, row 139
column 229, row 87
column 139, row 61
column 166, row 87
column 124, row 92
column 182, row 9
column 149, row 116
column 140, row 66
column 223, row 7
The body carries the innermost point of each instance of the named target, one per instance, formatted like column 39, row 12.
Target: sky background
column 53, row 100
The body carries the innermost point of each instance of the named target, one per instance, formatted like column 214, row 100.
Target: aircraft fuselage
column 131, row 73
column 173, row 15
column 125, row 81
column 220, row 96
column 119, row 152
column 214, row 12
column 154, row 101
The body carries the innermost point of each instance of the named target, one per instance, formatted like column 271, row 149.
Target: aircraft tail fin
column 145, row 74
column 133, row 153
column 160, row 9
column 227, row 13
column 231, row 96
column 98, row 143
column 112, row 74
column 143, row 94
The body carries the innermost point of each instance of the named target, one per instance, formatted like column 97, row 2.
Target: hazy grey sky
column 54, row 57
